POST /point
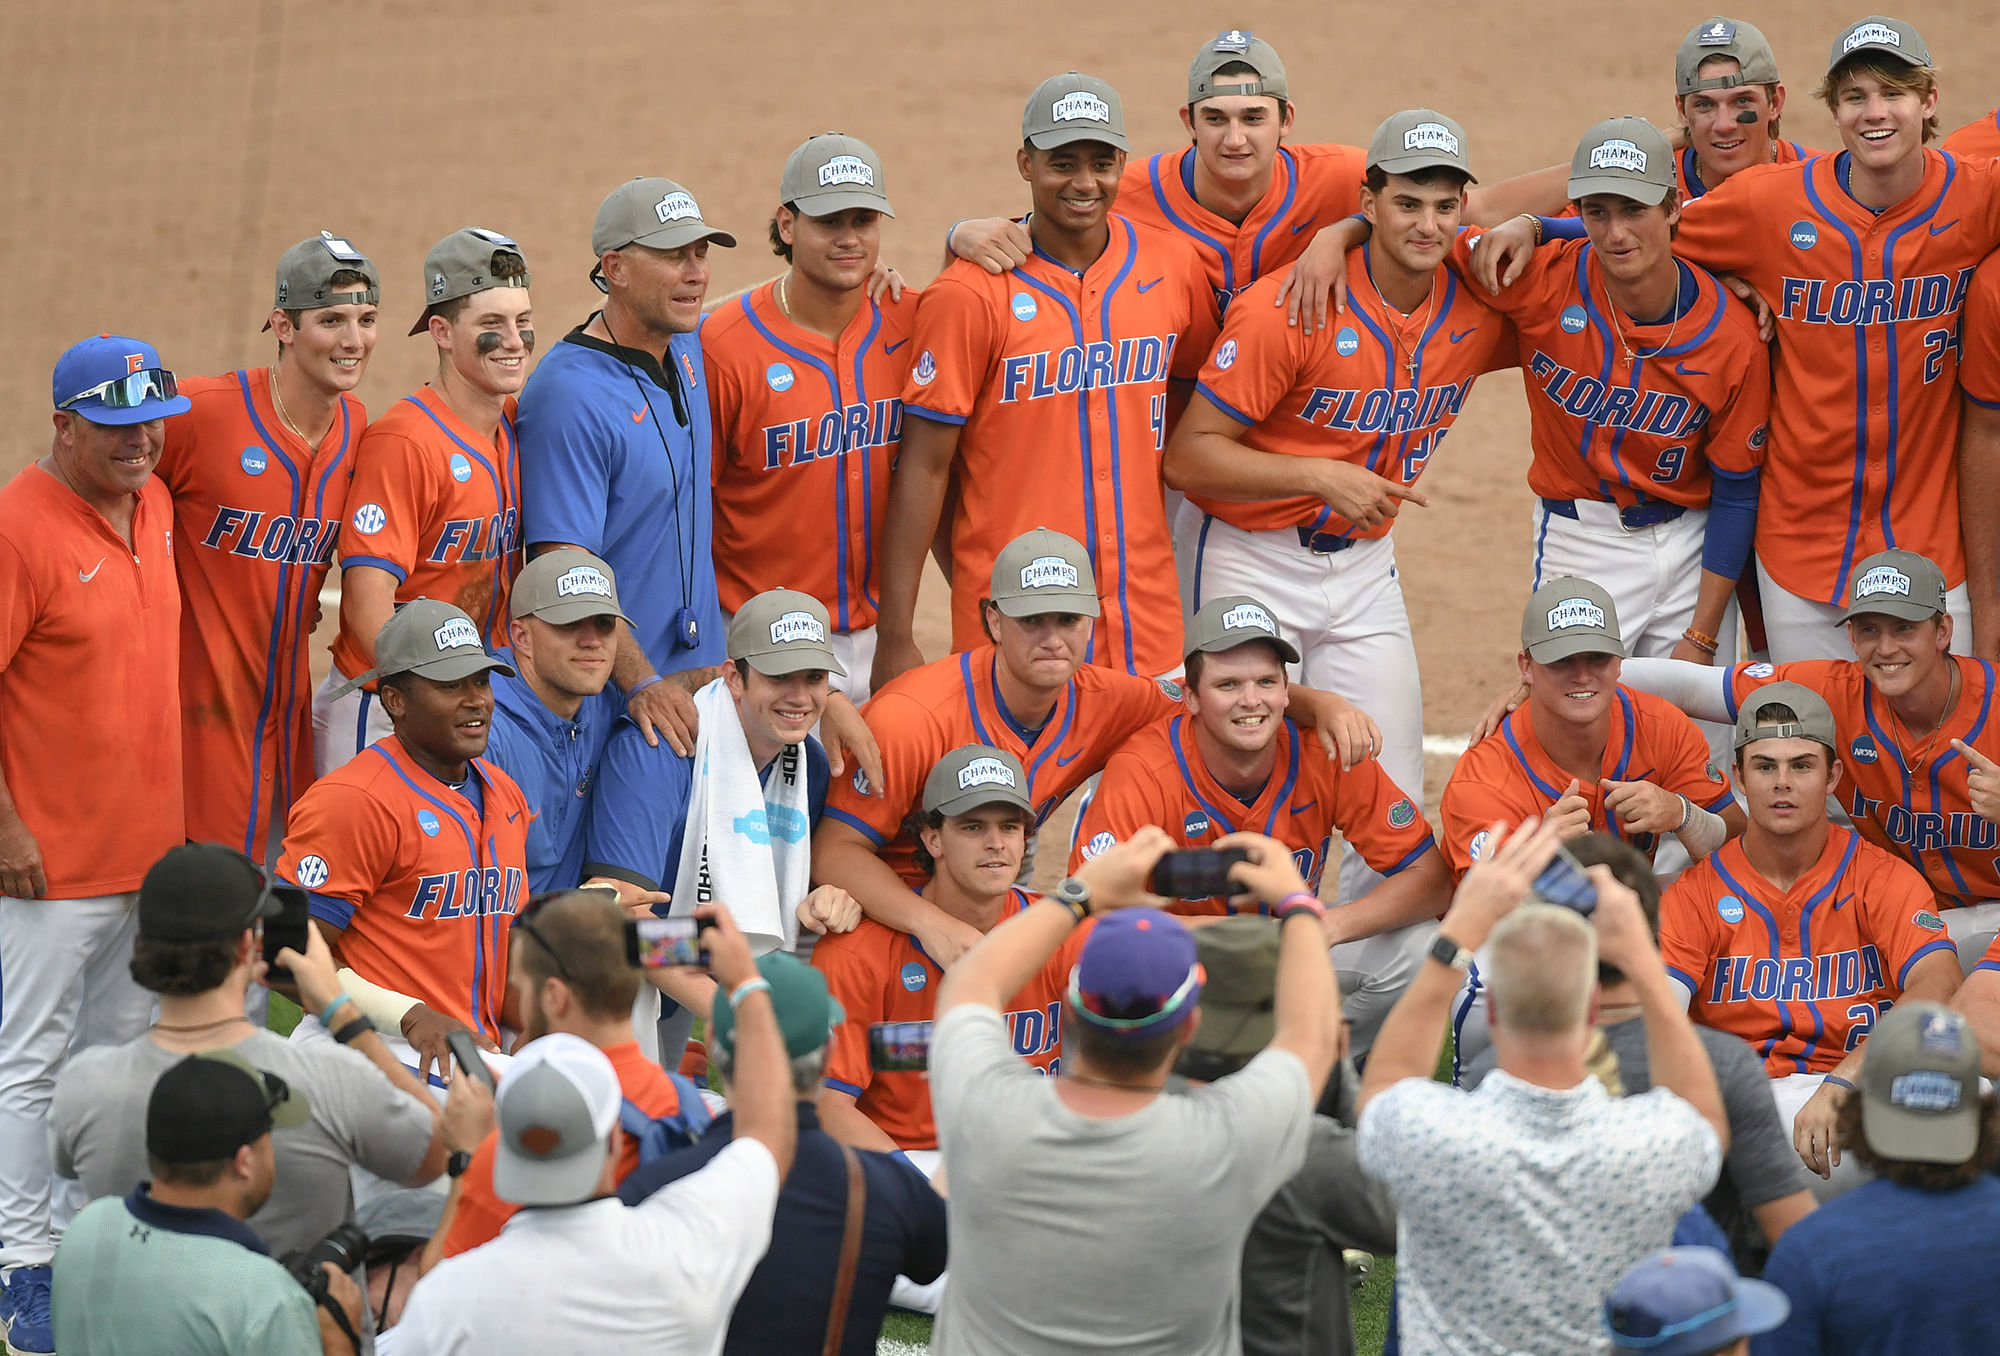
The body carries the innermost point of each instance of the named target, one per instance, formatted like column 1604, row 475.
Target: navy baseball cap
column 109, row 379
column 1138, row 974
column 1687, row 1301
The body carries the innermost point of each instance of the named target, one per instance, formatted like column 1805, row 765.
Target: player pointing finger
column 1982, row 781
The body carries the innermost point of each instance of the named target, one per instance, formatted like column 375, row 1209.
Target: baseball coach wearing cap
column 615, row 446
column 90, row 789
column 415, row 853
column 171, row 1269
column 436, row 493
column 1862, row 1272
column 1056, row 1182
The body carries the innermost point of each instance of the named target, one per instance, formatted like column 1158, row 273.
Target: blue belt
column 1323, row 543
column 1639, row 515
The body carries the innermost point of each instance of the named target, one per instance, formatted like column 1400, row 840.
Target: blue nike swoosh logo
column 1060, row 760
column 1147, row 287
column 1302, row 225
column 1301, row 809
column 891, row 348
column 1460, row 334
column 1842, row 900
column 513, row 815
column 1683, row 370
column 1940, row 230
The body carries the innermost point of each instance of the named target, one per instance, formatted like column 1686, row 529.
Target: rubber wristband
column 1701, row 640
column 642, row 685
column 953, row 231
column 332, row 1008
column 1687, row 813
column 1840, row 1082
column 759, row 984
column 354, row 1030
column 1300, row 902
column 1078, row 910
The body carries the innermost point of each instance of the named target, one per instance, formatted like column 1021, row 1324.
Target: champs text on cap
column 984, row 772
column 1049, row 572
column 1246, row 616
column 1575, row 612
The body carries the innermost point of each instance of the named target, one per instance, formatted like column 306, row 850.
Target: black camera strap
column 340, row 1318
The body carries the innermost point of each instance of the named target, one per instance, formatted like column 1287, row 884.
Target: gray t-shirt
column 1070, row 1233
column 98, row 1123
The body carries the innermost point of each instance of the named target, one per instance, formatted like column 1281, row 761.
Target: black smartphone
column 1564, row 882
column 288, row 929
column 1197, row 873
column 899, row 1047
column 466, row 1051
column 658, row 943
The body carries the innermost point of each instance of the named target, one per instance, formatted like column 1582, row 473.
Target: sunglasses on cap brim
column 130, row 391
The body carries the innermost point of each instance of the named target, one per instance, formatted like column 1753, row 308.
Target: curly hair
column 1923, row 1176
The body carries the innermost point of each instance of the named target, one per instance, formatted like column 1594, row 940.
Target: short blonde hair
column 1918, row 80
column 1543, row 971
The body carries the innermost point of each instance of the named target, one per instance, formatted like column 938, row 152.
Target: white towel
column 745, row 843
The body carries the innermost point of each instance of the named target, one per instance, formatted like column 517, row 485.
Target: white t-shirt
column 1070, row 1233
column 656, row 1279
column 1519, row 1207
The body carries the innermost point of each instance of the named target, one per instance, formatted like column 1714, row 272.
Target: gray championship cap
column 1570, row 616
column 1920, row 1098
column 1743, row 43
column 305, row 275
column 1072, row 107
column 1814, row 717
column 1236, row 46
column 562, row 587
column 1626, row 156
column 1897, row 584
column 783, row 631
column 1043, row 571
column 1418, row 139
column 1892, row 37
column 975, row 775
column 431, row 639
column 656, row 213
column 1236, row 619
column 555, row 1112
column 832, row 172
column 462, row 263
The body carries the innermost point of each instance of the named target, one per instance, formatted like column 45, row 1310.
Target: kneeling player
column 1233, row 761
column 1797, row 936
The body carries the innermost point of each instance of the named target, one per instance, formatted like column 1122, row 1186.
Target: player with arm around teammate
column 1232, row 761
column 1798, row 935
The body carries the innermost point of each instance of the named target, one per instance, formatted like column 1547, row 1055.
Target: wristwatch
column 1449, row 953
column 456, row 1165
column 1073, row 895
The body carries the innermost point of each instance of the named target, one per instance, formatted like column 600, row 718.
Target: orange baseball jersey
column 259, row 517
column 1632, row 430
column 90, row 722
column 1911, row 801
column 439, row 507
column 1311, row 187
column 1864, row 426
column 1991, row 960
column 1346, row 392
column 1977, row 140
column 424, row 881
column 1979, row 367
column 1061, row 384
column 924, row 714
column 881, row 975
column 1801, row 974
column 480, row 1214
column 1687, row 167
column 1159, row 778
column 1506, row 776
column 805, row 433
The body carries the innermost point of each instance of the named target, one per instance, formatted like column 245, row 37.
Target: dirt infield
column 161, row 157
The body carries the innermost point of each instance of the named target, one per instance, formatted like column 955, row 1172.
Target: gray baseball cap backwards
column 1898, row 584
column 555, row 1112
column 305, row 275
column 656, row 213
column 1418, row 139
column 1892, row 37
column 461, row 264
column 1236, row 619
column 1072, row 107
column 783, row 631
column 562, row 587
column 1570, row 616
column 1235, row 46
column 431, row 639
column 1814, row 717
column 1626, row 156
column 1719, row 37
column 1043, row 571
column 974, row 775
column 832, row 172
column 1920, row 1098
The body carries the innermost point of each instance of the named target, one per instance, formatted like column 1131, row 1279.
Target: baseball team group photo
column 842, row 729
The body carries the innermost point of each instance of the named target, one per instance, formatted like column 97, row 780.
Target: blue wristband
column 1840, row 1082
column 641, row 686
column 954, row 227
column 332, row 1008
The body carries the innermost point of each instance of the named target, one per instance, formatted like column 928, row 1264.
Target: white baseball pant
column 1802, row 628
column 1791, row 1093
column 1972, row 929
column 66, row 969
column 342, row 727
column 1653, row 574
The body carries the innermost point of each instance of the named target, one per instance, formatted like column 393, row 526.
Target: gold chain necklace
column 784, row 304
column 278, row 404
column 1617, row 325
column 1922, row 755
column 1409, row 356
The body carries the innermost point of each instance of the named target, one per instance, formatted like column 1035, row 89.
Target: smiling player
column 1727, row 91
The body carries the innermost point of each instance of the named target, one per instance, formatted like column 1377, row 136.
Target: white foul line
column 1444, row 746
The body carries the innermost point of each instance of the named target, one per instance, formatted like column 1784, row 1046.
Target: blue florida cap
column 1139, row 973
column 1685, row 1301
column 109, row 379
